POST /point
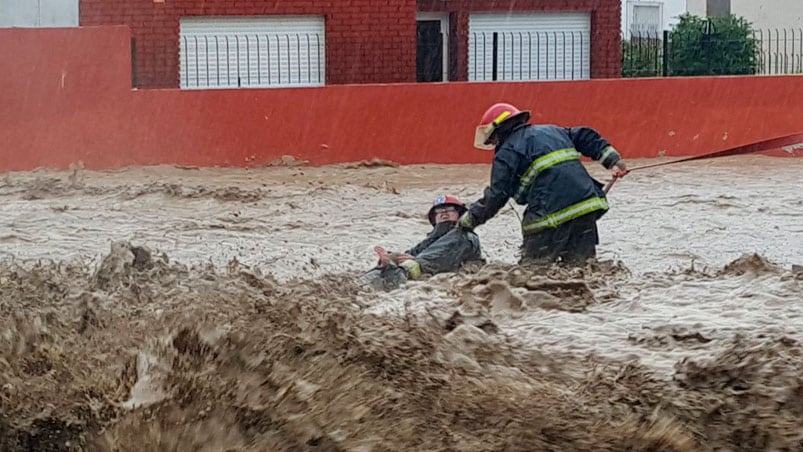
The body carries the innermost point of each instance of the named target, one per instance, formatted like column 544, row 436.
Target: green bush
column 642, row 58
column 730, row 49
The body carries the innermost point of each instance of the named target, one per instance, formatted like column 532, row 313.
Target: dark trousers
column 572, row 243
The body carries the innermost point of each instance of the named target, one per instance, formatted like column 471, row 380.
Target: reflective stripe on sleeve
column 609, row 156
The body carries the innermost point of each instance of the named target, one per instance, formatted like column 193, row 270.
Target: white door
column 233, row 52
column 529, row 46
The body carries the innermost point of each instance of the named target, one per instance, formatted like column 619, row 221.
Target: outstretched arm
column 504, row 182
column 590, row 143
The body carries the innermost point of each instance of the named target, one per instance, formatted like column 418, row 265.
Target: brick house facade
column 367, row 41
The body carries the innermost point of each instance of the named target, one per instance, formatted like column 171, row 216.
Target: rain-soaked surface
column 246, row 330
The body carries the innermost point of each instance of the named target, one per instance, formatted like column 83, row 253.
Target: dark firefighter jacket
column 446, row 248
column 539, row 166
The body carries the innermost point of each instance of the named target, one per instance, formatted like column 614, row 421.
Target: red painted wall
column 367, row 41
column 606, row 49
column 66, row 97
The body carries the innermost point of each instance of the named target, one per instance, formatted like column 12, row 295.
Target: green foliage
column 728, row 48
column 642, row 58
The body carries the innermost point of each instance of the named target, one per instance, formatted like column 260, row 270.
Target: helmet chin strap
column 506, row 128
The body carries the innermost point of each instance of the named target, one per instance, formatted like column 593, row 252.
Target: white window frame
column 30, row 13
column 553, row 36
column 244, row 43
column 631, row 4
column 444, row 19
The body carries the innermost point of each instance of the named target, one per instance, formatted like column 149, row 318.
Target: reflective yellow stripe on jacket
column 608, row 155
column 542, row 163
column 556, row 219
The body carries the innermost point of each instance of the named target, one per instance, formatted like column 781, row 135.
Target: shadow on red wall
column 66, row 97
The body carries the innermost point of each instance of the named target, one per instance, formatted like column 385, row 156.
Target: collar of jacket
column 441, row 229
column 507, row 137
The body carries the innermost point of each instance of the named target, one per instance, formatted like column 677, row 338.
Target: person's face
column 446, row 213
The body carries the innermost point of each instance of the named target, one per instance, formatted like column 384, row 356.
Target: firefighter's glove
column 619, row 170
column 465, row 222
column 412, row 267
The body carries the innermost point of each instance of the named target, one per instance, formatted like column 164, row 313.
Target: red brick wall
column 606, row 56
column 367, row 41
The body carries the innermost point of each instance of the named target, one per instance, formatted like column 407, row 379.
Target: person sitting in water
column 445, row 249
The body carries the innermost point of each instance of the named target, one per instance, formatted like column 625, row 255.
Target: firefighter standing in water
column 539, row 166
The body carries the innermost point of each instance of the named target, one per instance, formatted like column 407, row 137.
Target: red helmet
column 492, row 119
column 446, row 200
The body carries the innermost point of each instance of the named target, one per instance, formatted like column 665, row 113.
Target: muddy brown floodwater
column 174, row 309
